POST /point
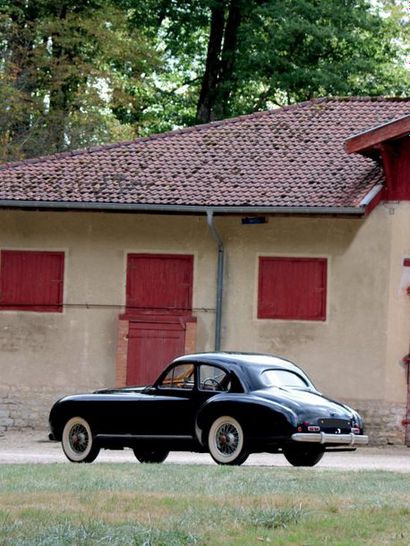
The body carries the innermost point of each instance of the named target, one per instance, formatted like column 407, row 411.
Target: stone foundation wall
column 25, row 408
column 383, row 421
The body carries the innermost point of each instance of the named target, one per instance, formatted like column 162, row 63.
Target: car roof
column 247, row 367
column 234, row 359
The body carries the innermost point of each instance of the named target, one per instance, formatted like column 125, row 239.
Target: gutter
column 371, row 195
column 188, row 209
column 219, row 278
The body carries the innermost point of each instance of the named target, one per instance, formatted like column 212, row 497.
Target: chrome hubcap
column 227, row 439
column 78, row 438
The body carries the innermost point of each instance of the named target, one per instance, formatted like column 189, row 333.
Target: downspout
column 219, row 278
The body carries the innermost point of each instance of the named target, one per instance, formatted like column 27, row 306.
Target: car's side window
column 212, row 378
column 180, row 376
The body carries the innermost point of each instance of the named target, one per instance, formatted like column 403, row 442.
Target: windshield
column 283, row 378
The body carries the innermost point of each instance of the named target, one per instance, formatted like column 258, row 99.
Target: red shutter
column 31, row 280
column 292, row 288
column 159, row 283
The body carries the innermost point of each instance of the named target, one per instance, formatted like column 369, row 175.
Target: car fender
column 66, row 408
column 259, row 417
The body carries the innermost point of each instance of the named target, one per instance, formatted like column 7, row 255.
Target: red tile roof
column 285, row 158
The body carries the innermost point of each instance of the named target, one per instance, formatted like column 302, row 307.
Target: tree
column 299, row 49
column 63, row 73
column 263, row 52
column 82, row 72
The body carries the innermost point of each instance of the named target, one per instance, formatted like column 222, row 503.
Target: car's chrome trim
column 326, row 438
column 142, row 437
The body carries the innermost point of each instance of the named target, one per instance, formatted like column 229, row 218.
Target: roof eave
column 182, row 209
column 366, row 141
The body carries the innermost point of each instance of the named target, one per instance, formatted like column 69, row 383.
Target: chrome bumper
column 324, row 438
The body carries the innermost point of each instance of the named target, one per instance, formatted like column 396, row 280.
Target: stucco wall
column 76, row 348
column 349, row 348
column 353, row 355
column 398, row 317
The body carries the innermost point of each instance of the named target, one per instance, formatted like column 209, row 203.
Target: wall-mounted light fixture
column 250, row 220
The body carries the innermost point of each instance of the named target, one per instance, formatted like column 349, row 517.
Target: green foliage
column 79, row 73
column 285, row 51
column 300, row 49
column 65, row 67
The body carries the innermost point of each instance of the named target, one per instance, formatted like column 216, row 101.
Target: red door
column 406, row 421
column 159, row 301
column 150, row 347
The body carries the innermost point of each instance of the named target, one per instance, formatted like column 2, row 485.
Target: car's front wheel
column 226, row 441
column 303, row 455
column 77, row 441
column 151, row 455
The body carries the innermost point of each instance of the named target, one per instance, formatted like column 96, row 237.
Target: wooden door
column 150, row 347
column 406, row 421
column 159, row 302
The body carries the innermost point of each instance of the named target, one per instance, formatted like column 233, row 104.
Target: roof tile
column 288, row 157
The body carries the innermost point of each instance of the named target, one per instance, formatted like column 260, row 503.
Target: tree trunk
column 20, row 47
column 210, row 78
column 217, row 80
column 56, row 118
column 60, row 92
column 226, row 76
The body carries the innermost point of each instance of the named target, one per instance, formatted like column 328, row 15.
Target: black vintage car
column 229, row 404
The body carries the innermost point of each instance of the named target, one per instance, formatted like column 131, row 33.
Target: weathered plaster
column 353, row 355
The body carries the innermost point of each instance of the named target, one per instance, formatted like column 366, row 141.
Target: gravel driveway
column 34, row 447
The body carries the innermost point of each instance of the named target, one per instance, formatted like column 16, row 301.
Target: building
column 283, row 231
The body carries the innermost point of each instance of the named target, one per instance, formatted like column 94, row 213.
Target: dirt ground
column 34, row 447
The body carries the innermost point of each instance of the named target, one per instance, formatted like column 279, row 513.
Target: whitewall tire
column 77, row 441
column 226, row 441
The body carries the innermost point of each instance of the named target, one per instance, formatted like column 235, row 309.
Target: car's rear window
column 283, row 378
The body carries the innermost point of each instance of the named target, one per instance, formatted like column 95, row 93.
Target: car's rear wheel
column 226, row 441
column 303, row 455
column 151, row 455
column 78, row 442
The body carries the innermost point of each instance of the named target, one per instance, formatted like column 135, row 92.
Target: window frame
column 227, row 375
column 191, row 386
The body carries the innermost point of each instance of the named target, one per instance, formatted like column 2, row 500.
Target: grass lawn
column 135, row 504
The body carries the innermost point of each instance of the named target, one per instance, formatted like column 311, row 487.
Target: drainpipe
column 219, row 278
